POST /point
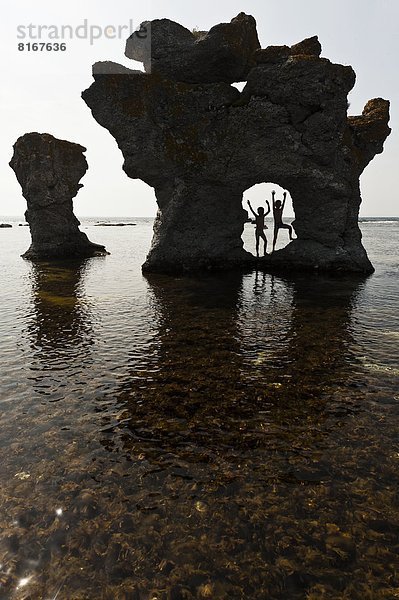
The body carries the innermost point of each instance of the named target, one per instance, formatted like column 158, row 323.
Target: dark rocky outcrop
column 309, row 47
column 5, row 225
column 224, row 53
column 201, row 143
column 115, row 224
column 49, row 171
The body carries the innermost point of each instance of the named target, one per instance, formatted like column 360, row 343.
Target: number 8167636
column 42, row 47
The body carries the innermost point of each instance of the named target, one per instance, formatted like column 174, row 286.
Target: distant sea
column 224, row 436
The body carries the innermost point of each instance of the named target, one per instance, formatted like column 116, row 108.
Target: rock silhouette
column 200, row 143
column 49, row 171
column 225, row 53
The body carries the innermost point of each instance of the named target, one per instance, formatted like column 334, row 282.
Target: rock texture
column 49, row 171
column 187, row 132
column 224, row 53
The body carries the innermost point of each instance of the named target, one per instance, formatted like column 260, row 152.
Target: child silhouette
column 278, row 208
column 260, row 226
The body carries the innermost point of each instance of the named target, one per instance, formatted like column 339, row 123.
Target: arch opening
column 257, row 195
column 133, row 204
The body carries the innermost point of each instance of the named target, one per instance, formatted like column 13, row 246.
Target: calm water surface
column 223, row 437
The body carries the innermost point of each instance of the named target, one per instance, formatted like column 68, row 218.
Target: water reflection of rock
column 311, row 342
column 243, row 366
column 321, row 340
column 232, row 457
column 60, row 329
column 313, row 382
column 196, row 367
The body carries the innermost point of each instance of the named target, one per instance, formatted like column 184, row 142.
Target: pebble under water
column 230, row 436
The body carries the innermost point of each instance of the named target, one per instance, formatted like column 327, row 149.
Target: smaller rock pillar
column 49, row 171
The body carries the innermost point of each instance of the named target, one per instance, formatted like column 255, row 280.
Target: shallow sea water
column 226, row 437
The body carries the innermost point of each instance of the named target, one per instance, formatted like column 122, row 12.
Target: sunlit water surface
column 225, row 437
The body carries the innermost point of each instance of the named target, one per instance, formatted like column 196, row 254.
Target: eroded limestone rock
column 224, row 53
column 201, row 143
column 49, row 171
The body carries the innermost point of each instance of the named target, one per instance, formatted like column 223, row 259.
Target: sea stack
column 200, row 143
column 49, row 171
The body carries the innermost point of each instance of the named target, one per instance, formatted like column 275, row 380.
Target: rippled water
column 224, row 437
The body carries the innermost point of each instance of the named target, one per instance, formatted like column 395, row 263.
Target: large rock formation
column 225, row 53
column 184, row 130
column 49, row 171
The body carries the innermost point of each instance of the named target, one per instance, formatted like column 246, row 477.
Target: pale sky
column 41, row 90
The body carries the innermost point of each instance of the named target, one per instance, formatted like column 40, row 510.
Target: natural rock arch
column 258, row 195
column 200, row 143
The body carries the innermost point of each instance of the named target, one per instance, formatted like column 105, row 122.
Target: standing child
column 260, row 226
column 278, row 209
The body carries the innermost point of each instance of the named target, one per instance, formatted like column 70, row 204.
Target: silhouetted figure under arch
column 278, row 208
column 260, row 226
